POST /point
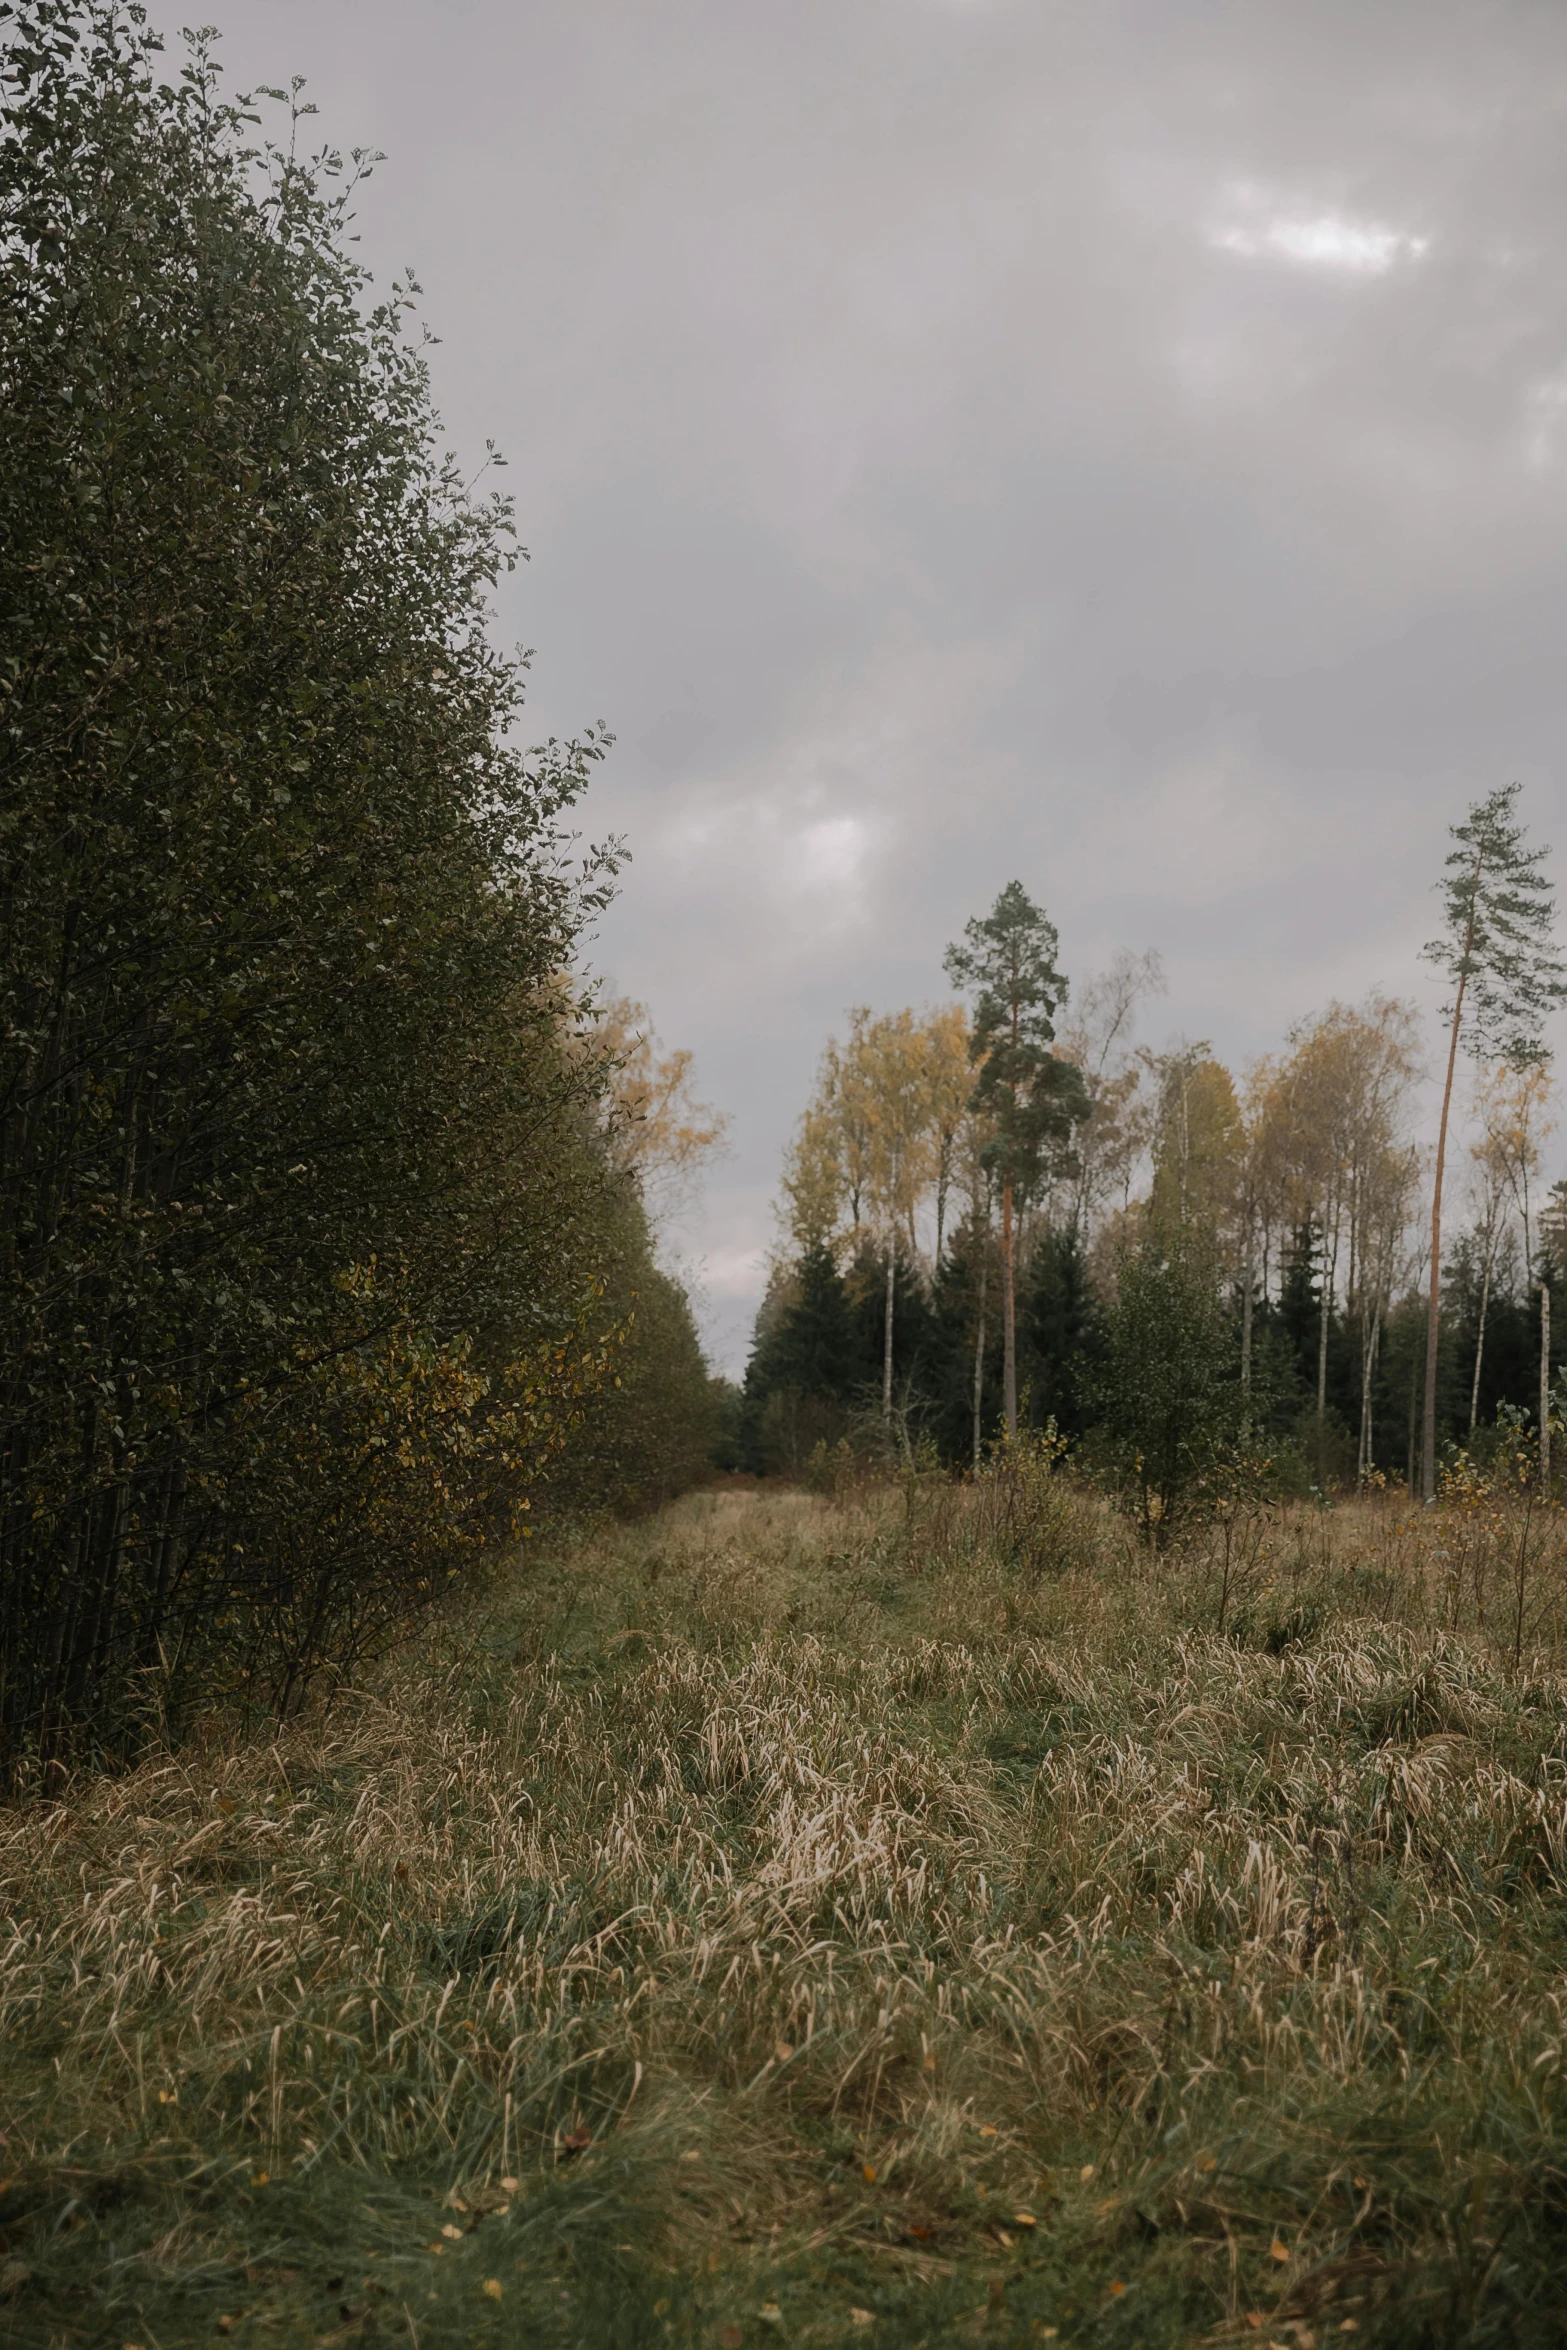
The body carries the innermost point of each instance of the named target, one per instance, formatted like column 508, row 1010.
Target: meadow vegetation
column 1048, row 1872
column 917, row 1912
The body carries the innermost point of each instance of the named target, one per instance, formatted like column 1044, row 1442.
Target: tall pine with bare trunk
column 1498, row 951
column 1007, row 963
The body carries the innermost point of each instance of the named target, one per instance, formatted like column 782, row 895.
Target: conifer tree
column 1007, row 962
column 1499, row 954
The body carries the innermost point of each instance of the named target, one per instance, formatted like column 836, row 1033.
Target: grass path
column 793, row 1922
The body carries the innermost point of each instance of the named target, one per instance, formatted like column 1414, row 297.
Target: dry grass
column 906, row 1919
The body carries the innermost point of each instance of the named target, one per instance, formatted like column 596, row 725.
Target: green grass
column 899, row 1920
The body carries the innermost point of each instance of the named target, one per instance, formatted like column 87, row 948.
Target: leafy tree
column 653, row 1425
column 1499, row 955
column 1007, row 963
column 300, row 1202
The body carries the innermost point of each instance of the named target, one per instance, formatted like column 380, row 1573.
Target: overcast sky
column 1116, row 443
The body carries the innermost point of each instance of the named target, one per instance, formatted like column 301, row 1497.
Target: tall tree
column 1007, row 963
column 1498, row 951
column 1112, row 1140
column 1338, row 1107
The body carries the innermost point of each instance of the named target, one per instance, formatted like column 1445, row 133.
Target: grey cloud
column 951, row 445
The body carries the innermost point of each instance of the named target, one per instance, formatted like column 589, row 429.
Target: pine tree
column 1007, row 962
column 1499, row 954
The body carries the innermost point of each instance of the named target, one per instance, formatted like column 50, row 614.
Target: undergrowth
column 907, row 1918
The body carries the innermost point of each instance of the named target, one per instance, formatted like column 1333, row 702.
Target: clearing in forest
column 903, row 1918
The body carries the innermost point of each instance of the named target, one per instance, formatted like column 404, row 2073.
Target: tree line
column 326, row 1245
column 1009, row 1213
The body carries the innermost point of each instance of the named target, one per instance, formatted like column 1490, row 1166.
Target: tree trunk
column 1329, row 1281
column 1368, row 1364
column 979, row 1342
column 1248, row 1277
column 1434, row 1302
column 886, row 1344
column 1008, row 1312
column 1545, row 1386
column 1485, row 1305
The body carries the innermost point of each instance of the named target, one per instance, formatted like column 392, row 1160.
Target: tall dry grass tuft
column 906, row 1918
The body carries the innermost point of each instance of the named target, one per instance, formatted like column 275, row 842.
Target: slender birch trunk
column 979, row 1341
column 1434, row 1301
column 1249, row 1277
column 886, row 1344
column 1008, row 1312
column 1545, row 1386
column 1329, row 1282
column 1485, row 1307
column 1368, row 1364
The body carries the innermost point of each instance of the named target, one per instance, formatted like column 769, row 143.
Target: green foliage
column 299, row 1257
column 653, row 1425
column 1007, row 964
column 1496, row 944
column 1174, row 1410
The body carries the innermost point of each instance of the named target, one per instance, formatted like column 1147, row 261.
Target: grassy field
column 908, row 1918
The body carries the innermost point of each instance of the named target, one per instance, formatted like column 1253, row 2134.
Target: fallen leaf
column 782, row 2051
column 577, row 2140
column 262, row 2179
column 437, row 2249
column 452, row 2235
column 869, row 2169
column 454, row 2202
column 692, row 2154
column 770, row 2314
column 1117, row 2288
column 1047, row 2333
column 1086, row 2173
column 862, row 2317
column 492, row 2288
column 1349, row 2325
column 1256, row 2320
column 1003, row 2239
column 928, row 2061
column 511, row 2186
column 987, row 2129
column 1208, row 2162
column 1278, row 2249
column 1024, row 2219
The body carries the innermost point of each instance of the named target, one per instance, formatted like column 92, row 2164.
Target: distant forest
column 1297, row 1186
